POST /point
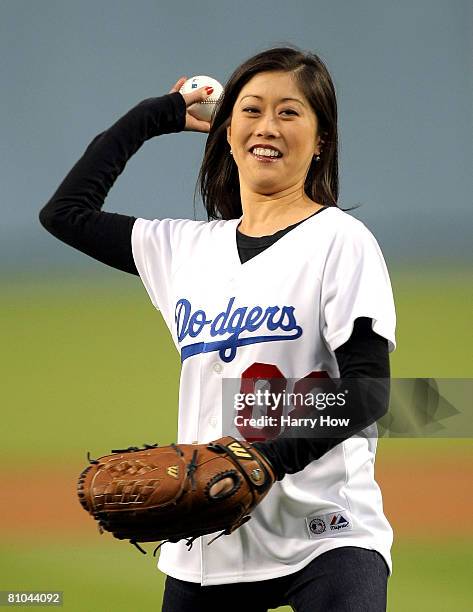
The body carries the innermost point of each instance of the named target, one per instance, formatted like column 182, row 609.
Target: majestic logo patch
column 232, row 322
column 327, row 525
column 338, row 522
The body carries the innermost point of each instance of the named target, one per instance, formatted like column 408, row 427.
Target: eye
column 251, row 108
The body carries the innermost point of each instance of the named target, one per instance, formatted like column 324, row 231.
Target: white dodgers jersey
column 288, row 307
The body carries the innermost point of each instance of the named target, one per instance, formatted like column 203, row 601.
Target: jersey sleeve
column 159, row 247
column 152, row 247
column 356, row 283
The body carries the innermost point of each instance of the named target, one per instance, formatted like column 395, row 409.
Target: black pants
column 347, row 579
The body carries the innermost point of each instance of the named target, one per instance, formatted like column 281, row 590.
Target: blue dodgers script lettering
column 232, row 321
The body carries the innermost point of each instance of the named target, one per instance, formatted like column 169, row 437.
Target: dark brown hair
column 218, row 177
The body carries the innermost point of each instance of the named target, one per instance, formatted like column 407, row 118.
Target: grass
column 432, row 577
column 433, row 330
column 85, row 369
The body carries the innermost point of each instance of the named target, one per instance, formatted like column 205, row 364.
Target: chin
column 266, row 185
column 267, row 191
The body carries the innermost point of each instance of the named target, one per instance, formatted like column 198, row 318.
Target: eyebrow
column 281, row 100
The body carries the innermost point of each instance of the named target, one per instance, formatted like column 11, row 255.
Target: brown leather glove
column 163, row 494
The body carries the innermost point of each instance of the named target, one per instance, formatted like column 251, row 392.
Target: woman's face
column 261, row 116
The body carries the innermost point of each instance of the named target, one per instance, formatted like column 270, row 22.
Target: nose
column 265, row 125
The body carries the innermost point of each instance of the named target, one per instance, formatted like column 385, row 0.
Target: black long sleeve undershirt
column 74, row 215
column 364, row 355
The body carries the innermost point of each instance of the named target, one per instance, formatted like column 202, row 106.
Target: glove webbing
column 191, row 468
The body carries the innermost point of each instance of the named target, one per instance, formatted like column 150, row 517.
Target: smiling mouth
column 265, row 158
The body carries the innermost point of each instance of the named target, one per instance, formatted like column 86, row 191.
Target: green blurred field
column 88, row 365
column 116, row 577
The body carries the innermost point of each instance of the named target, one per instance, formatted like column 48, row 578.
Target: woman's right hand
column 193, row 124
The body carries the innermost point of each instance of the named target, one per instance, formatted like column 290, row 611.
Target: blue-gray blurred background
column 402, row 71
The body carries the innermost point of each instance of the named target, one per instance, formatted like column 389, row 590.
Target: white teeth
column 266, row 152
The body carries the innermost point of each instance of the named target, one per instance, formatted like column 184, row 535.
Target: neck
column 266, row 214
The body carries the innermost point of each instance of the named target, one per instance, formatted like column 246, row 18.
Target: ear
column 229, row 131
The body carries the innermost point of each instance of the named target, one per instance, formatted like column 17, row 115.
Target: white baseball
column 203, row 110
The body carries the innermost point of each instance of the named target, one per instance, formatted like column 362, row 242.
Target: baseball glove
column 162, row 494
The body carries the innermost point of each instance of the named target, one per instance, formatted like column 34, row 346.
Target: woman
column 300, row 289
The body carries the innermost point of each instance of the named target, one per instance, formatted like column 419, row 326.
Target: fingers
column 199, row 126
column 196, row 96
column 192, row 123
column 222, row 486
column 178, row 84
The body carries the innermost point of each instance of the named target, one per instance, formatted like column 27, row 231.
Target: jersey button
column 213, row 421
column 217, row 367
